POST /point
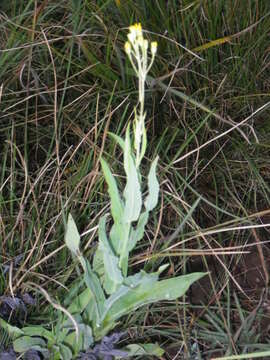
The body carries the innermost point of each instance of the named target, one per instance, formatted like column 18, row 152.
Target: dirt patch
column 249, row 298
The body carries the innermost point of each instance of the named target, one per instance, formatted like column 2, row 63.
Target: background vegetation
column 65, row 82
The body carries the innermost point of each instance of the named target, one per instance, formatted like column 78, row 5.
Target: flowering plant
column 106, row 292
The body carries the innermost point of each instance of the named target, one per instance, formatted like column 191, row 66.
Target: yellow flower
column 136, row 48
column 135, row 32
column 136, row 29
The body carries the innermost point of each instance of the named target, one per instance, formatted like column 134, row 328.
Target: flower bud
column 145, row 44
column 127, row 47
column 153, row 47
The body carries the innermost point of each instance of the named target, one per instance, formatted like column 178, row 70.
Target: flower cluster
column 137, row 50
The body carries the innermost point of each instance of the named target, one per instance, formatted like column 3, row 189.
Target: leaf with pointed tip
column 113, row 275
column 137, row 233
column 141, row 278
column 98, row 265
column 118, row 235
column 119, row 140
column 13, row 331
column 116, row 202
column 80, row 302
column 169, row 289
column 93, row 283
column 85, row 338
column 144, row 349
column 153, row 186
column 38, row 330
column 72, row 236
column 65, row 352
column 132, row 191
column 24, row 343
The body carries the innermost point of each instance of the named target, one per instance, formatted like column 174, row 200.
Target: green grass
column 66, row 82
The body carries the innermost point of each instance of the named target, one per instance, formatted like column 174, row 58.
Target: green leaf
column 119, row 140
column 144, row 349
column 118, row 235
column 73, row 291
column 116, row 202
column 169, row 289
column 142, row 278
column 113, row 275
column 132, row 191
column 137, row 233
column 13, row 331
column 93, row 283
column 98, row 265
column 38, row 330
column 89, row 316
column 153, row 186
column 72, row 236
column 131, row 282
column 85, row 338
column 80, row 302
column 65, row 352
column 24, row 343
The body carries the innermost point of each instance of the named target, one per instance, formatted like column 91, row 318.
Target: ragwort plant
column 106, row 293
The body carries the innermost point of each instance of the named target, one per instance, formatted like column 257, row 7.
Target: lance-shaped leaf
column 72, row 240
column 98, row 265
column 24, row 343
column 116, row 202
column 119, row 140
column 118, row 235
column 139, row 279
column 80, row 302
column 169, row 289
column 113, row 275
column 144, row 349
column 132, row 191
column 13, row 331
column 153, row 187
column 85, row 338
column 64, row 352
column 93, row 283
column 72, row 236
column 137, row 233
column 38, row 330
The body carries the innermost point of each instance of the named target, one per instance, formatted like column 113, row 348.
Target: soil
column 251, row 291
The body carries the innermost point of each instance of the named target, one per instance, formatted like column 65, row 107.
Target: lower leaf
column 134, row 298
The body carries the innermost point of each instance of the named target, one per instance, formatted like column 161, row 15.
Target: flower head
column 137, row 46
column 136, row 29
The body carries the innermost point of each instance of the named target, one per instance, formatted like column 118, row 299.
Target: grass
column 66, row 82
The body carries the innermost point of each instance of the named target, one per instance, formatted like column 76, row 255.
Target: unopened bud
column 153, row 47
column 145, row 44
column 127, row 47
